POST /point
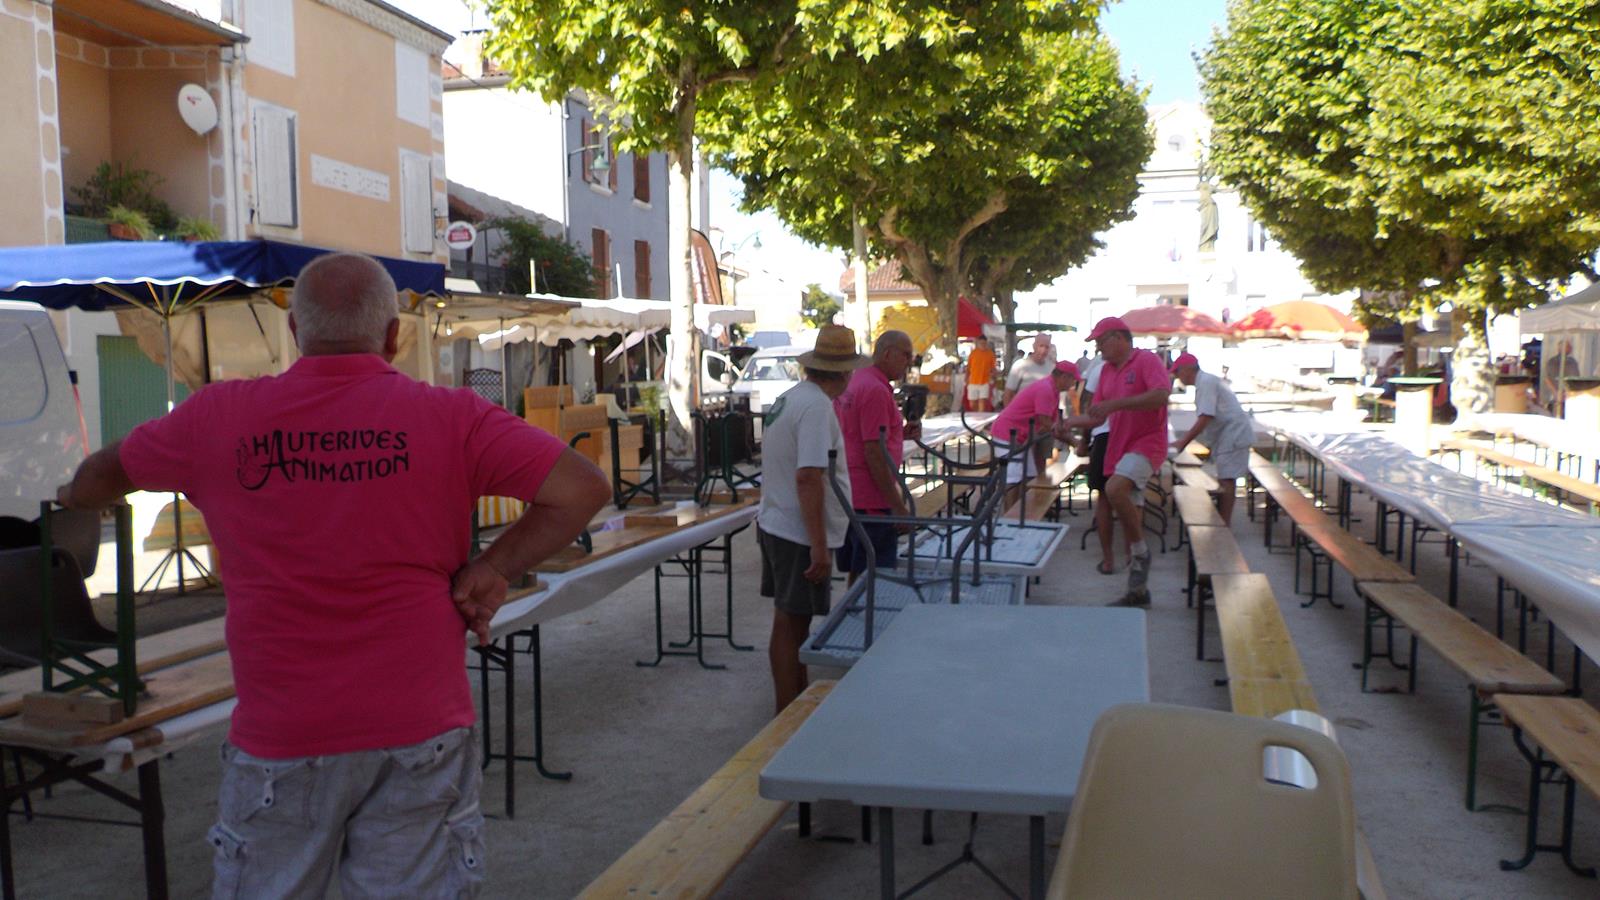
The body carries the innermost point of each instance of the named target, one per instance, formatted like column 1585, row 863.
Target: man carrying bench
column 1224, row 425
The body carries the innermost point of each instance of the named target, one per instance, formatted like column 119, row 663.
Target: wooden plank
column 1488, row 664
column 171, row 692
column 692, row 851
column 1550, row 477
column 1197, row 477
column 1264, row 670
column 157, row 651
column 1195, row 506
column 1216, row 551
column 1568, row 728
column 55, row 709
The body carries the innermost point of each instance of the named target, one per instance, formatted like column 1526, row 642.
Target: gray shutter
column 275, row 167
column 416, row 192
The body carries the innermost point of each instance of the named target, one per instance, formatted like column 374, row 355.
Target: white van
column 768, row 374
column 42, row 436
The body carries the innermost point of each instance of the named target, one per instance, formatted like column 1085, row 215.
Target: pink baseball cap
column 1070, row 369
column 1186, row 359
column 1109, row 323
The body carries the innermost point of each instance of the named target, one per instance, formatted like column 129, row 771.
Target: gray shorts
column 1231, row 463
column 398, row 822
column 1136, row 468
column 783, row 577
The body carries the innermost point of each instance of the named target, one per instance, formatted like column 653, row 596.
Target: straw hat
column 835, row 351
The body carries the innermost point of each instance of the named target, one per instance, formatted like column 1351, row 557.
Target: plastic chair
column 21, row 620
column 1172, row 802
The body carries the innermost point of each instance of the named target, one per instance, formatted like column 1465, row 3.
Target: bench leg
column 885, row 853
column 1481, row 712
column 1540, row 772
column 804, row 829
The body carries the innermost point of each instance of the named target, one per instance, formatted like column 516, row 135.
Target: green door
column 133, row 390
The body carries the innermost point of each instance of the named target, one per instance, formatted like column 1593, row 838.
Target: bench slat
column 1195, row 506
column 1488, row 664
column 1265, row 676
column 1216, row 551
column 1355, row 556
column 1568, row 728
column 692, row 851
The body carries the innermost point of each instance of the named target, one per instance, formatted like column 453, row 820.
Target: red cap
column 1070, row 369
column 1109, row 323
column 1186, row 359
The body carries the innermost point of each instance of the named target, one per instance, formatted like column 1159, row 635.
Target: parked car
column 42, row 436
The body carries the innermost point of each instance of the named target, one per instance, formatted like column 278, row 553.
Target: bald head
column 344, row 303
column 892, row 353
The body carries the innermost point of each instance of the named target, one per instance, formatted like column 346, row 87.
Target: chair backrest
column 77, row 531
column 1172, row 802
column 21, row 612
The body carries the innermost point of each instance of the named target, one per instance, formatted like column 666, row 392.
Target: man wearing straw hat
column 801, row 521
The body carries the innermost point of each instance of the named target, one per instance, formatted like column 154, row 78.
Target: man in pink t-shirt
column 869, row 419
column 339, row 497
column 1134, row 390
column 1035, row 410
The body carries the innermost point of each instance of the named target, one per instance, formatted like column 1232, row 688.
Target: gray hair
column 344, row 300
column 890, row 340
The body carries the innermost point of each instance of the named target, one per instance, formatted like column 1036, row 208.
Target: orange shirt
column 980, row 366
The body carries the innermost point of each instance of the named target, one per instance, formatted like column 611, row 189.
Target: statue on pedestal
column 1208, row 219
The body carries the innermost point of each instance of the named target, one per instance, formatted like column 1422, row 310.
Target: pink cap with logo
column 1186, row 359
column 1109, row 323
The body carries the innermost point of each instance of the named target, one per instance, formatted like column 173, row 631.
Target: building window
column 641, row 179
column 594, row 138
column 1256, row 237
column 641, row 268
column 270, row 24
column 413, row 100
column 416, row 201
column 277, row 201
column 600, row 252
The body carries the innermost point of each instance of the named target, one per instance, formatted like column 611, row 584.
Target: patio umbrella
column 1302, row 320
column 1173, row 321
column 970, row 319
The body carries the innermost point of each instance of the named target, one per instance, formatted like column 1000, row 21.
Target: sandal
column 1104, row 569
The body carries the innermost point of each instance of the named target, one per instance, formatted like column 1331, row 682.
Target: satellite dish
column 198, row 110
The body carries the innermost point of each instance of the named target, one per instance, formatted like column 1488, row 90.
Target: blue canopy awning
column 170, row 276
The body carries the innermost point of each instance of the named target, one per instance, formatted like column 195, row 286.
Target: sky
column 1154, row 37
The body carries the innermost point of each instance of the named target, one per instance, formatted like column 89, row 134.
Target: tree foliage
column 1440, row 149
column 1018, row 140
column 818, row 307
column 563, row 268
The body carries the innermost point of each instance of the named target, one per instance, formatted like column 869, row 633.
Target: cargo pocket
column 228, row 865
column 468, row 851
column 432, row 773
column 267, row 791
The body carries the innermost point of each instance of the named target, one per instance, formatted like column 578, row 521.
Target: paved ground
column 639, row 740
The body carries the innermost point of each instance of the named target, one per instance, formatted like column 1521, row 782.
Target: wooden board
column 542, row 397
column 1216, row 551
column 172, row 692
column 1487, row 663
column 692, row 851
column 1560, row 481
column 1195, row 476
column 1568, row 728
column 1265, row 676
column 1195, row 506
column 158, row 651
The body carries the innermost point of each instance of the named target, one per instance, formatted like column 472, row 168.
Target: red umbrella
column 1173, row 321
column 1303, row 319
column 970, row 319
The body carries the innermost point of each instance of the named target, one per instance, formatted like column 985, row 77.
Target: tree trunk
column 1471, row 369
column 1006, row 299
column 1408, row 349
column 683, row 369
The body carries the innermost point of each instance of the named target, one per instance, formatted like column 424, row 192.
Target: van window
column 23, row 390
column 772, row 368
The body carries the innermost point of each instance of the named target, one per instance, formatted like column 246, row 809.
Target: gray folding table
column 967, row 708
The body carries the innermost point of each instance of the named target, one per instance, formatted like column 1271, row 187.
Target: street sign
column 460, row 235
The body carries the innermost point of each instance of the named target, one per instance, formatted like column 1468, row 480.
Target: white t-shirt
column 1091, row 383
column 1230, row 427
column 1025, row 372
column 799, row 430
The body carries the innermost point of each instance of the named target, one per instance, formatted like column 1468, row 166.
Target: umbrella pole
column 505, row 377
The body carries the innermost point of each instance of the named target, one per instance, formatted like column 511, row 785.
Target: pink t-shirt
column 1039, row 399
column 339, row 498
column 864, row 409
column 1141, row 431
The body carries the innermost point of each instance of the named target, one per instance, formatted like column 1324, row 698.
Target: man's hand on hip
column 478, row 591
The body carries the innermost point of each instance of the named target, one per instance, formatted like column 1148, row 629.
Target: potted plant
column 128, row 224
column 194, row 228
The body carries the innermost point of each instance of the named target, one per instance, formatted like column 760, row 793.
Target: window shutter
column 600, row 244
column 276, row 202
column 641, row 269
column 641, row 177
column 611, row 173
column 416, row 202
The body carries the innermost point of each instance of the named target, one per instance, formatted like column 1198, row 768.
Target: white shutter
column 275, row 166
column 416, row 199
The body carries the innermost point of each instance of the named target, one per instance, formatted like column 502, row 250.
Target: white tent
column 1571, row 327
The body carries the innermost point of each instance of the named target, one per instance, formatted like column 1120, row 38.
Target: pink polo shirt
column 339, row 497
column 866, row 407
column 1039, row 399
column 1141, row 431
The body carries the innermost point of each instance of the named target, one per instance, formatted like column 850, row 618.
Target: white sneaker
column 1138, row 572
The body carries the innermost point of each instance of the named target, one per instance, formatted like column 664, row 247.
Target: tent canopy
column 166, row 276
column 1300, row 319
column 970, row 319
column 1575, row 312
column 1173, row 321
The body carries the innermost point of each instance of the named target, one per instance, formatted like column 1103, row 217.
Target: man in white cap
column 801, row 520
column 1134, row 390
column 1222, row 424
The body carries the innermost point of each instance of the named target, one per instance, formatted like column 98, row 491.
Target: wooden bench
column 1196, row 476
column 1042, row 492
column 692, row 851
column 1195, row 506
column 1568, row 731
column 1562, row 484
column 1490, row 666
column 1212, row 551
